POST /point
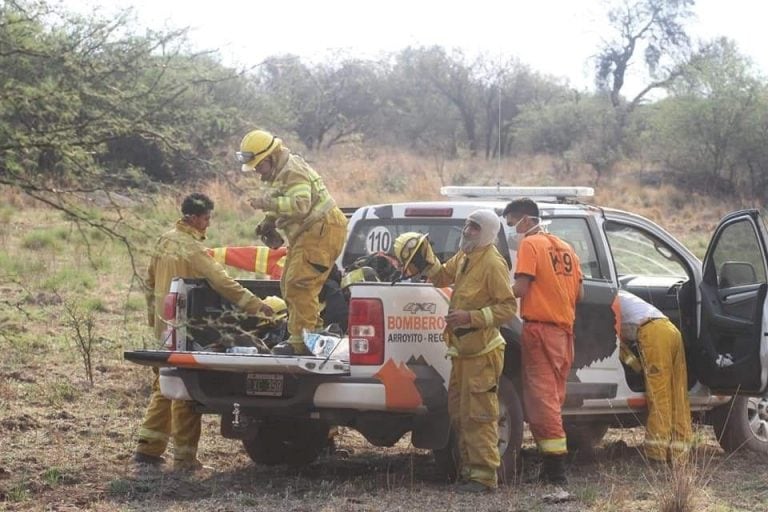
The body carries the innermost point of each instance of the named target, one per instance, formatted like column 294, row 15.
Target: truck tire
column 447, row 459
column 295, row 443
column 742, row 423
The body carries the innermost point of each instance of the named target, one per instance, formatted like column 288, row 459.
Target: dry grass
column 65, row 445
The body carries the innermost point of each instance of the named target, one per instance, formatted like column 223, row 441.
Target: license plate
column 264, row 384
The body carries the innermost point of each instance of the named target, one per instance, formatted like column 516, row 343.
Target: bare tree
column 653, row 28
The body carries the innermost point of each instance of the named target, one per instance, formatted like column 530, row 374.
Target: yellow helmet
column 357, row 275
column 279, row 307
column 255, row 147
column 406, row 247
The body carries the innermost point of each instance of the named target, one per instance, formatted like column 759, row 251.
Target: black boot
column 553, row 469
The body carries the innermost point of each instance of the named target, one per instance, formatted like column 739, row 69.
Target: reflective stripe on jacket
column 299, row 197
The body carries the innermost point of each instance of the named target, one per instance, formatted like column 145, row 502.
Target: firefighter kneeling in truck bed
column 481, row 301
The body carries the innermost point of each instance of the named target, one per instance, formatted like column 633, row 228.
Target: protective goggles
column 244, row 157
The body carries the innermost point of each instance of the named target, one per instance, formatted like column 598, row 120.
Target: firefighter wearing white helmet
column 482, row 300
column 295, row 201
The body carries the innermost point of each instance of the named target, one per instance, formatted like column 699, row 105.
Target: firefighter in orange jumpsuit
column 548, row 282
column 296, row 201
column 180, row 253
column 482, row 300
column 668, row 433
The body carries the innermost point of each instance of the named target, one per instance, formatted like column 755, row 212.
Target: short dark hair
column 523, row 206
column 196, row 204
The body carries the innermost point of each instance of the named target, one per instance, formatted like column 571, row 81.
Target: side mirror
column 736, row 273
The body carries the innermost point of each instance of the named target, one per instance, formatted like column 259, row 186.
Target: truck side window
column 638, row 253
column 737, row 257
column 576, row 233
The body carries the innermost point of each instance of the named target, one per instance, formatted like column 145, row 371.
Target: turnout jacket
column 298, row 197
column 180, row 253
column 482, row 287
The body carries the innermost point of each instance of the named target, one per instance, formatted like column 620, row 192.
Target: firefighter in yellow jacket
column 180, row 253
column 296, row 201
column 668, row 433
column 482, row 300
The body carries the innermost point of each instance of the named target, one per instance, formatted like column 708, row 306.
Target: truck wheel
column 447, row 459
column 294, row 443
column 582, row 437
column 742, row 423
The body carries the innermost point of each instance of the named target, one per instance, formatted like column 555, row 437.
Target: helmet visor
column 244, row 157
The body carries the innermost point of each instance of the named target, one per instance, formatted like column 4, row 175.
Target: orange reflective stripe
column 637, row 403
column 182, row 359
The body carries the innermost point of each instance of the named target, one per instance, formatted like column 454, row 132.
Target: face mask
column 516, row 238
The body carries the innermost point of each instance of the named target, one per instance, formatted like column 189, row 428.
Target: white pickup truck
column 395, row 379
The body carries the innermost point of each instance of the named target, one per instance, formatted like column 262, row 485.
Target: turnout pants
column 307, row 266
column 473, row 406
column 165, row 418
column 547, row 355
column 668, row 432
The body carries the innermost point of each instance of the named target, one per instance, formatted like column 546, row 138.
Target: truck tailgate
column 245, row 363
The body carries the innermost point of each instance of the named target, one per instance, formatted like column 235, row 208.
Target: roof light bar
column 503, row 192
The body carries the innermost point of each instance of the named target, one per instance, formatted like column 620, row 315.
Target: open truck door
column 732, row 352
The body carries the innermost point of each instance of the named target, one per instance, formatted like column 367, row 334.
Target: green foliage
column 135, row 303
column 58, row 392
column 95, row 304
column 42, row 239
column 92, row 103
column 711, row 132
column 18, row 493
column 70, row 279
column 53, row 476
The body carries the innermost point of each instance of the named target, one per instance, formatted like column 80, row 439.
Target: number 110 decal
column 379, row 239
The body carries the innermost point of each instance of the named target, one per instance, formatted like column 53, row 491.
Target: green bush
column 95, row 304
column 41, row 239
column 70, row 279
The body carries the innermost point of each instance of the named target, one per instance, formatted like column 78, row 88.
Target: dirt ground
column 65, row 446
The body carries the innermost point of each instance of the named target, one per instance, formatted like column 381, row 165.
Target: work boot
column 289, row 349
column 553, row 469
column 149, row 460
